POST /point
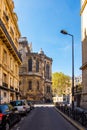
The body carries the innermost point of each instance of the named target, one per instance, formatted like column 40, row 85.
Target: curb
column 78, row 126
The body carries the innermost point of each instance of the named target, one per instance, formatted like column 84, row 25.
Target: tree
column 60, row 83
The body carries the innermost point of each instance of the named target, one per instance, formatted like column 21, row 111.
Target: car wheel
column 7, row 127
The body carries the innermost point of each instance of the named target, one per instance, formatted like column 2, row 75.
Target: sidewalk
column 75, row 123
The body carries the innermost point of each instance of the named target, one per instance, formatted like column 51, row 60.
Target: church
column 35, row 73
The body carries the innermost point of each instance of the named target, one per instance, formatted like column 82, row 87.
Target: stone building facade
column 9, row 56
column 84, row 51
column 35, row 73
column 78, row 90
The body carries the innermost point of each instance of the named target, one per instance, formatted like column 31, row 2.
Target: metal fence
column 78, row 114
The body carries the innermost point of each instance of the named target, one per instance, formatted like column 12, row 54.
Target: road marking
column 44, row 105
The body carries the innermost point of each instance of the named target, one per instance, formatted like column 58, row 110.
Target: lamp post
column 66, row 33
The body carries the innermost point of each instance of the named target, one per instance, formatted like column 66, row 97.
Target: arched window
column 30, row 85
column 47, row 71
column 37, row 66
column 30, row 65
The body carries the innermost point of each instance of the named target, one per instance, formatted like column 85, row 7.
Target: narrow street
column 43, row 118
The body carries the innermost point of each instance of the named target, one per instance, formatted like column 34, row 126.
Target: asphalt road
column 43, row 118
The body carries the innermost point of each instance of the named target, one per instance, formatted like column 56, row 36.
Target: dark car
column 31, row 104
column 8, row 116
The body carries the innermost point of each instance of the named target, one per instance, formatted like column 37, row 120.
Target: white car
column 21, row 105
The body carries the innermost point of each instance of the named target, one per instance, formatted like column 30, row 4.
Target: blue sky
column 41, row 21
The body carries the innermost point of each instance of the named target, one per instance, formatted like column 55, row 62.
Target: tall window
column 11, row 64
column 5, row 56
column 48, row 89
column 37, row 85
column 37, row 66
column 5, row 16
column 16, row 69
column 47, row 71
column 5, row 94
column 30, row 85
column 11, row 82
column 30, row 65
column 12, row 32
column 4, row 78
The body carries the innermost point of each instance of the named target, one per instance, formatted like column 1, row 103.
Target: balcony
column 5, row 85
column 12, row 88
column 16, row 89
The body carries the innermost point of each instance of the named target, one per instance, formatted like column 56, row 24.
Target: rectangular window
column 11, row 82
column 30, row 85
column 37, row 85
column 37, row 66
column 11, row 64
column 4, row 78
column 16, row 40
column 30, row 65
column 5, row 16
column 47, row 71
column 16, row 70
column 12, row 32
column 5, row 94
column 48, row 89
column 4, row 56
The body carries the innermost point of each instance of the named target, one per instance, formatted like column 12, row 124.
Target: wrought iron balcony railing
column 5, row 85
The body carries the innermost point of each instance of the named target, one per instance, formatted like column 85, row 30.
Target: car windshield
column 16, row 103
column 4, row 108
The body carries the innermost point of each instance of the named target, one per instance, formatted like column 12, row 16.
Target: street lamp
column 66, row 33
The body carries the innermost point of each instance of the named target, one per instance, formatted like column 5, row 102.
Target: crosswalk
column 44, row 105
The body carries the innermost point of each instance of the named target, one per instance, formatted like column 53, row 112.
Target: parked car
column 21, row 105
column 8, row 116
column 31, row 104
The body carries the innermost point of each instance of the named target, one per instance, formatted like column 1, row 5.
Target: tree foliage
column 60, row 83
